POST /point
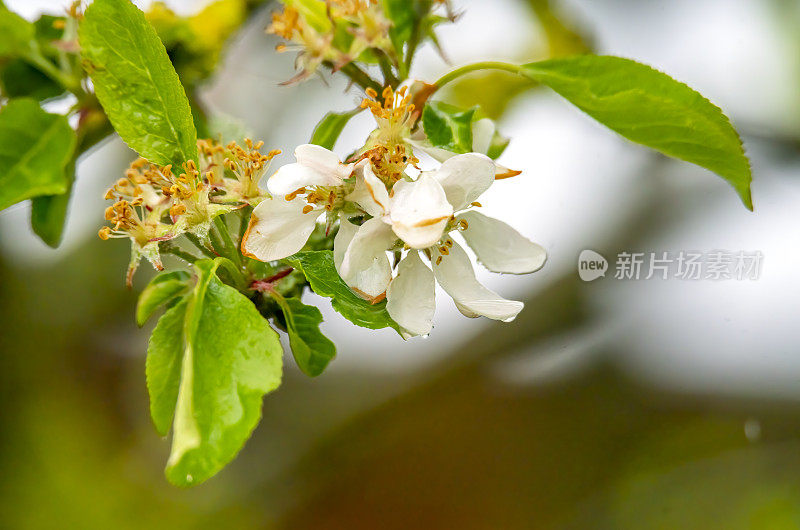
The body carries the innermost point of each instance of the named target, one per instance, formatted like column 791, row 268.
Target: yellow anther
column 307, row 208
column 104, row 233
column 476, row 204
column 177, row 209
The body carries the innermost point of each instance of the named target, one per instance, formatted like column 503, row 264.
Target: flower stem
column 228, row 246
column 35, row 58
column 360, row 77
column 244, row 221
column 200, row 246
column 169, row 248
column 485, row 65
column 386, row 69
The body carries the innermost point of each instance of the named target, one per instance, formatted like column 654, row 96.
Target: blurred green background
column 606, row 405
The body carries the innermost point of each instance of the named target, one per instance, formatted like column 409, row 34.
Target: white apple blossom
column 420, row 214
column 301, row 192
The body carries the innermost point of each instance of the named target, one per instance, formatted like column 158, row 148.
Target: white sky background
column 577, row 188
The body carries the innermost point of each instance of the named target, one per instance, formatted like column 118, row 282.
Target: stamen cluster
column 387, row 148
column 332, row 32
column 152, row 204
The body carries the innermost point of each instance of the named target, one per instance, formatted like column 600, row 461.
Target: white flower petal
column 363, row 265
column 499, row 247
column 440, row 155
column 437, row 153
column 322, row 160
column 292, row 177
column 370, row 193
column 410, row 298
column 456, row 275
column 465, row 177
column 342, row 240
column 482, row 133
column 420, row 211
column 277, row 229
column 315, row 166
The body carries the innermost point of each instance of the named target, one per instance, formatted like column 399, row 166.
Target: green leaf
column 49, row 212
column 652, row 109
column 211, row 359
column 16, row 33
column 448, row 128
column 161, row 290
column 19, row 79
column 478, row 127
column 34, row 150
column 330, row 127
column 163, row 367
column 497, row 146
column 320, row 271
column 136, row 82
column 314, row 12
column 311, row 349
column 404, row 15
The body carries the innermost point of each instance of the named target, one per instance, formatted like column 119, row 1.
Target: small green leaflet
column 451, row 130
column 330, row 128
column 311, row 349
column 482, row 134
column 34, row 150
column 136, row 82
column 161, row 290
column 16, row 33
column 211, row 359
column 320, row 272
column 652, row 109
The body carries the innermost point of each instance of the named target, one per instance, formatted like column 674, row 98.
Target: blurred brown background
column 606, row 405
